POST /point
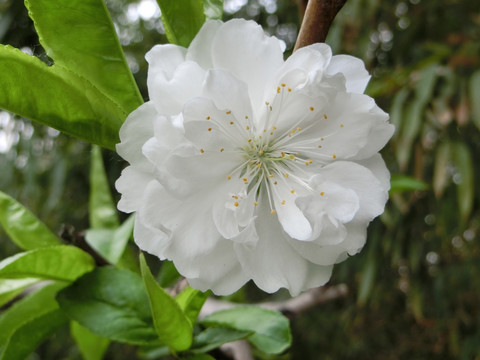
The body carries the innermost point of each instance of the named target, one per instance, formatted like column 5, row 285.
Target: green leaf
column 111, row 303
column 199, row 357
column 27, row 309
column 213, row 9
column 172, row 326
column 102, row 210
column 111, row 243
column 441, row 171
column 79, row 35
column 30, row 335
column 11, row 288
column 474, row 90
column 212, row 338
column 182, row 19
column 191, row 302
column 402, row 183
column 91, row 346
column 24, row 228
column 465, row 186
column 62, row 262
column 56, row 97
column 367, row 281
column 271, row 329
column 168, row 274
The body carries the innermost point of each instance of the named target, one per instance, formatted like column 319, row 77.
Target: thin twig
column 317, row 20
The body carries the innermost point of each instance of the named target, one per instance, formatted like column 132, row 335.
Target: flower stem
column 317, row 20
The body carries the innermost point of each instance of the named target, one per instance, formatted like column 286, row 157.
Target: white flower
column 245, row 166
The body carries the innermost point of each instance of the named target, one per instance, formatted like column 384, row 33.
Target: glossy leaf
column 24, row 228
column 402, row 183
column 182, row 19
column 213, row 9
column 62, row 262
column 191, row 301
column 474, row 90
column 56, row 97
column 271, row 329
column 102, row 210
column 91, row 346
column 111, row 243
column 11, row 288
column 79, row 35
column 172, row 325
column 30, row 335
column 213, row 338
column 465, row 186
column 37, row 304
column 111, row 303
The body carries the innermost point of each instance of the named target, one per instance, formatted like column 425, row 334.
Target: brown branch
column 318, row 18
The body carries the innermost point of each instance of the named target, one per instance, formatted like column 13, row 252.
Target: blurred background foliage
column 414, row 291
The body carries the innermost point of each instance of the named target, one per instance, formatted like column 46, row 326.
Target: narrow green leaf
column 111, row 303
column 30, row 335
column 396, row 110
column 11, row 288
column 111, row 243
column 79, row 35
column 168, row 274
column 102, row 210
column 402, row 183
column 213, row 9
column 61, row 262
column 367, row 281
column 213, row 338
column 440, row 172
column 172, row 326
column 191, row 301
column 474, row 90
column 271, row 329
column 56, row 97
column 465, row 185
column 25, row 310
column 182, row 19
column 24, row 228
column 91, row 346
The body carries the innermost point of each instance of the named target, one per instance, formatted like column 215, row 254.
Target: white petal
column 228, row 93
column 353, row 69
column 219, row 270
column 150, row 239
column 135, row 131
column 242, row 48
column 378, row 167
column 200, row 48
column 131, row 184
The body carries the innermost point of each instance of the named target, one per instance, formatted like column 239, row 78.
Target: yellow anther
column 299, row 129
column 292, row 191
column 310, row 161
column 319, row 146
column 293, row 131
column 274, row 128
column 255, row 203
column 271, row 108
column 235, row 203
column 289, row 89
column 271, row 133
column 267, row 103
column 278, row 90
column 312, row 108
column 264, row 130
column 209, row 129
column 235, row 197
column 249, row 140
column 283, row 202
column 325, row 116
column 306, row 163
column 202, row 151
column 260, row 136
column 222, row 149
column 283, row 85
column 231, row 122
column 286, row 175
column 341, row 125
column 246, row 116
column 229, row 177
column 275, row 183
column 261, row 152
column 244, row 179
column 207, row 118
column 247, row 127
column 228, row 112
column 273, row 212
column 322, row 193
column 334, row 156
column 321, row 139
column 282, row 154
column 270, row 175
column 259, row 165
